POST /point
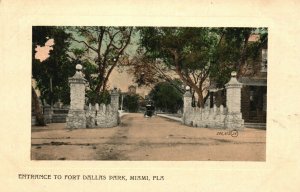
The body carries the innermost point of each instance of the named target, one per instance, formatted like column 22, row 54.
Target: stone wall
column 103, row 116
column 216, row 117
column 48, row 112
column 205, row 117
column 59, row 115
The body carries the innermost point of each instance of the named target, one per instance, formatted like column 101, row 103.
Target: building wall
column 245, row 103
column 258, row 114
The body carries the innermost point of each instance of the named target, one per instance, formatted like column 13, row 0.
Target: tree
column 197, row 55
column 235, row 52
column 166, row 97
column 185, row 51
column 52, row 74
column 100, row 50
column 37, row 108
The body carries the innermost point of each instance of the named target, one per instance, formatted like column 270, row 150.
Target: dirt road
column 139, row 138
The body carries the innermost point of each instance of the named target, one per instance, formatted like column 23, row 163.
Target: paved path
column 139, row 138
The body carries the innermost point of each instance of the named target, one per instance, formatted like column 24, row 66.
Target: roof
column 253, row 81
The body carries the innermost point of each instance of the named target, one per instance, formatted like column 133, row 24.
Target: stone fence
column 102, row 116
column 96, row 116
column 216, row 117
column 51, row 114
column 205, row 117
column 55, row 114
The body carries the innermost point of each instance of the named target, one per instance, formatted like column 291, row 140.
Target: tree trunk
column 37, row 109
column 186, row 79
column 200, row 98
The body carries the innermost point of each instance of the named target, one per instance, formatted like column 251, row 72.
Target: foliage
column 93, row 97
column 198, row 55
column 56, row 68
column 166, row 97
column 236, row 53
column 131, row 103
column 185, row 51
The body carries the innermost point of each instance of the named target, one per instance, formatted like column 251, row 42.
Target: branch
column 119, row 53
column 100, row 38
column 194, row 77
column 204, row 77
column 90, row 47
column 167, row 78
column 111, row 37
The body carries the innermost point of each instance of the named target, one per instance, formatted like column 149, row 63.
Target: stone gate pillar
column 114, row 99
column 76, row 117
column 187, row 105
column 233, row 119
column 114, row 102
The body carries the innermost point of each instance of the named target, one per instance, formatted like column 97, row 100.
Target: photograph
column 146, row 95
column 149, row 93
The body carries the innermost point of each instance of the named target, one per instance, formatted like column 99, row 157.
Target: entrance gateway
column 108, row 116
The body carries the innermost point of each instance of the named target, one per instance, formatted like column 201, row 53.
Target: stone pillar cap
column 78, row 77
column 233, row 82
column 78, row 67
column 233, row 74
column 114, row 91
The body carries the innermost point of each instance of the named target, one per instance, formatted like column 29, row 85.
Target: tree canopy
column 197, row 55
column 235, row 52
column 52, row 74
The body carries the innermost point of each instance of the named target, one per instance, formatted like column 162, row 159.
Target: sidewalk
column 170, row 117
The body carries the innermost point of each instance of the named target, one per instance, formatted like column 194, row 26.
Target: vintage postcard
column 149, row 96
column 149, row 93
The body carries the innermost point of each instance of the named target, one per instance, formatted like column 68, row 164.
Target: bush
column 131, row 103
column 166, row 97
